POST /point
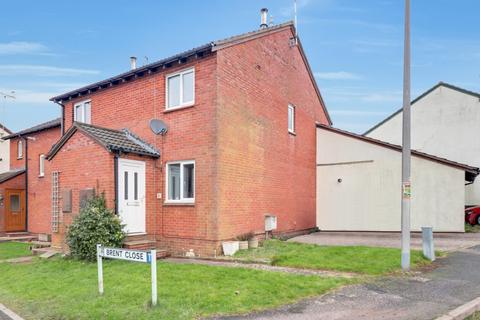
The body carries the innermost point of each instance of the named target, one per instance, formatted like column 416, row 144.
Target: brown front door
column 15, row 218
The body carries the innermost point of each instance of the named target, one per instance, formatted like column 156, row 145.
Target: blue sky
column 354, row 47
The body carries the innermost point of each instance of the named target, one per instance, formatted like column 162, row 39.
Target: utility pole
column 406, row 153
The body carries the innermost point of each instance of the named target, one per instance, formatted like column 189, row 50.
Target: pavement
column 7, row 314
column 442, row 241
column 453, row 281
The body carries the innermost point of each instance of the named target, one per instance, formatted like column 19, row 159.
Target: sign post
column 100, row 269
column 129, row 255
column 153, row 254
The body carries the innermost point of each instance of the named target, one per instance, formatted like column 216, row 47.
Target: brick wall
column 247, row 164
column 82, row 164
column 15, row 162
column 39, row 188
column 17, row 182
column 264, row 169
column 191, row 136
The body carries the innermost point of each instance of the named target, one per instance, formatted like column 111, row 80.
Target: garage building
column 359, row 185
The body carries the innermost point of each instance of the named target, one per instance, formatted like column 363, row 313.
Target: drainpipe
column 115, row 180
column 26, row 182
column 62, row 119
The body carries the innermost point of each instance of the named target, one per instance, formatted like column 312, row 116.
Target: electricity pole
column 406, row 153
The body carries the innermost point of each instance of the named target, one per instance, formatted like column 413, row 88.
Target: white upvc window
column 180, row 182
column 19, row 149
column 41, row 165
column 291, row 118
column 180, row 89
column 83, row 112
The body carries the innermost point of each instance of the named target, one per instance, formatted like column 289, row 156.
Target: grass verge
column 472, row 229
column 67, row 289
column 359, row 259
column 9, row 250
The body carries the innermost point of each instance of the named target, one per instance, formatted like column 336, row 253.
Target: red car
column 472, row 215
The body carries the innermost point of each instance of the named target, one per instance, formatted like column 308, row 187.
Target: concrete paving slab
column 442, row 241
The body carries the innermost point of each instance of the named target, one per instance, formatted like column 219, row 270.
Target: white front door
column 131, row 195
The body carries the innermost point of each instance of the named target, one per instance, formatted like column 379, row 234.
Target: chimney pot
column 263, row 18
column 133, row 63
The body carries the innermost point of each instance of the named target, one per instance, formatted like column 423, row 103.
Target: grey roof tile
column 10, row 174
column 39, row 127
column 112, row 140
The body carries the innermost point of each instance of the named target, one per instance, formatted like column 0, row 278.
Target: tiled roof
column 39, row 127
column 4, row 176
column 122, row 141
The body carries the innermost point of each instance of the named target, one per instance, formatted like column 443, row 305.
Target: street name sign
column 124, row 254
column 128, row 255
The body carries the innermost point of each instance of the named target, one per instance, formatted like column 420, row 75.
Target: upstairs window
column 181, row 182
column 291, row 118
column 82, row 112
column 41, row 166
column 180, row 90
column 19, row 149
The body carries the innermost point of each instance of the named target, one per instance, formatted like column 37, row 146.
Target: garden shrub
column 95, row 224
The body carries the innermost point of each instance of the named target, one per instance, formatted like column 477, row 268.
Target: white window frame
column 291, row 107
column 167, row 173
column 182, row 103
column 82, row 105
column 41, row 165
column 19, row 149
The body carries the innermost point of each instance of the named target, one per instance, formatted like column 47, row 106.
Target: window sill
column 179, row 108
column 293, row 133
column 187, row 204
column 41, row 176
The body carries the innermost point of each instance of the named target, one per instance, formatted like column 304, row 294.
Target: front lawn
column 67, row 289
column 9, row 250
column 366, row 260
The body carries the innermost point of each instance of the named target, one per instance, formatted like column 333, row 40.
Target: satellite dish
column 158, row 126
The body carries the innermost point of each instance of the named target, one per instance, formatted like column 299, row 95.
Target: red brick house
column 241, row 139
column 25, row 189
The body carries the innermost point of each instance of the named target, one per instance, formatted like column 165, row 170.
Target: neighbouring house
column 239, row 144
column 445, row 123
column 12, row 201
column 359, row 185
column 25, row 188
column 4, row 149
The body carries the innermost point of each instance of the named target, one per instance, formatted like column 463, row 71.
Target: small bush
column 95, row 224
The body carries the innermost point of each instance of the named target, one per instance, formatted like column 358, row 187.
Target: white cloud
column 357, row 113
column 23, row 47
column 360, row 23
column 339, row 75
column 383, row 97
column 42, row 71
